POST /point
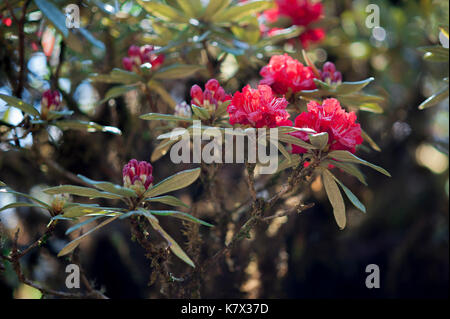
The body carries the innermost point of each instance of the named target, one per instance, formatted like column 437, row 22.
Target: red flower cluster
column 343, row 131
column 301, row 13
column 137, row 176
column 140, row 55
column 329, row 73
column 211, row 97
column 50, row 101
column 284, row 73
column 258, row 108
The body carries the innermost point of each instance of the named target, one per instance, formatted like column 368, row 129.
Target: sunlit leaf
column 335, row 197
column 21, row 105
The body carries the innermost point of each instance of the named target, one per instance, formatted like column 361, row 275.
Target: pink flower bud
column 158, row 61
column 197, row 95
column 137, row 176
column 127, row 64
column 212, row 85
column 50, row 101
column 134, row 51
column 329, row 67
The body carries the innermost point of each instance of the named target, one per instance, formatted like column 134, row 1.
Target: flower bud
column 329, row 74
column 58, row 203
column 137, row 176
column 197, row 95
column 127, row 64
column 50, row 101
column 183, row 110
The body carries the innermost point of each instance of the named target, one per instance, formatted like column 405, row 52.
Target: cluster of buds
column 50, row 101
column 137, row 176
column 183, row 110
column 211, row 97
column 329, row 74
column 141, row 55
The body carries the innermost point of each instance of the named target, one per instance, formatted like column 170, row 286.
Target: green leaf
column 436, row 98
column 355, row 201
column 116, row 76
column 83, row 209
column 15, row 102
column 110, row 187
column 296, row 141
column 200, row 112
column 319, row 140
column 174, row 182
column 86, row 126
column 351, row 87
column 435, row 53
column 180, row 215
column 346, row 156
column 163, row 11
column 177, row 71
column 10, row 191
column 80, row 191
column 168, row 200
column 53, row 115
column 2, row 184
column 83, row 223
column 214, row 8
column 241, row 10
column 187, row 7
column 117, row 91
column 74, row 243
column 21, row 204
column 165, row 117
column 350, row 169
column 369, row 140
column 173, row 245
column 54, row 14
column 335, row 197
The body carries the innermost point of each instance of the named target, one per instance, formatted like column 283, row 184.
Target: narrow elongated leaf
column 21, row 204
column 177, row 71
column 2, row 184
column 174, row 182
column 355, row 201
column 80, row 191
column 436, row 98
column 346, row 156
column 162, row 149
column 86, row 126
column 82, row 210
column 21, row 105
column 350, row 169
column 83, row 223
column 117, row 76
column 74, row 243
column 241, row 11
column 187, row 7
column 10, row 191
column 54, row 14
column 166, row 117
column 163, row 11
column 110, row 187
column 117, row 91
column 168, row 200
column 180, row 215
column 173, row 245
column 369, row 140
column 296, row 141
column 214, row 8
column 335, row 197
column 351, row 87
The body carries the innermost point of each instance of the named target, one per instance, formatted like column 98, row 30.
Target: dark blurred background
column 405, row 230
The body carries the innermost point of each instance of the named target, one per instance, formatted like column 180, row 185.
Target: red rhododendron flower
column 50, row 101
column 343, row 131
column 140, row 55
column 258, row 108
column 137, row 176
column 329, row 73
column 211, row 97
column 301, row 13
column 284, row 73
